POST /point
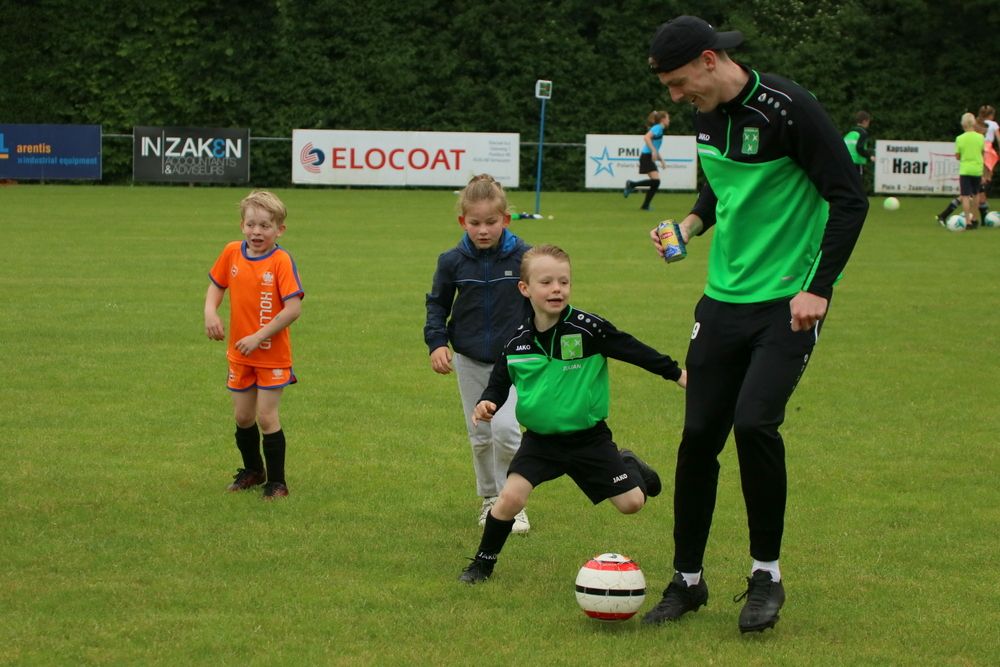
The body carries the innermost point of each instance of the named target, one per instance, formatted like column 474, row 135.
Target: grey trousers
column 493, row 443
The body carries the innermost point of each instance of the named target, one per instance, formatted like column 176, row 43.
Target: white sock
column 691, row 579
column 768, row 566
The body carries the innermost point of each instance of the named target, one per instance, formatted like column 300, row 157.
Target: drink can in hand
column 672, row 241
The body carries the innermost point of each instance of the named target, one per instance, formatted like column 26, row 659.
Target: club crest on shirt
column 571, row 346
column 751, row 140
column 268, row 278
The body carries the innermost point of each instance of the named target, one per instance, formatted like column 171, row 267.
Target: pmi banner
column 349, row 157
column 613, row 159
column 191, row 154
column 916, row 167
column 50, row 152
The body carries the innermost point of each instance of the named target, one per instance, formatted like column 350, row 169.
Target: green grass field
column 119, row 545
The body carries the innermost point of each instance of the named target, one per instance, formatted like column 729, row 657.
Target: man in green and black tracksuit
column 858, row 143
column 787, row 206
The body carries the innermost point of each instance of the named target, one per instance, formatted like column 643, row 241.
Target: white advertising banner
column 915, row 167
column 356, row 157
column 613, row 159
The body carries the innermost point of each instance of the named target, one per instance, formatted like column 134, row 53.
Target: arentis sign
column 50, row 152
column 191, row 154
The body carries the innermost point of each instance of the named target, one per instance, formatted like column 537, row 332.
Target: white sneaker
column 488, row 502
column 521, row 524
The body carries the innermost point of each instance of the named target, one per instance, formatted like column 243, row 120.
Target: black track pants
column 743, row 364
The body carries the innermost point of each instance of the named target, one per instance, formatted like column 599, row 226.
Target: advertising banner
column 50, row 152
column 191, row 154
column 613, row 159
column 357, row 157
column 915, row 167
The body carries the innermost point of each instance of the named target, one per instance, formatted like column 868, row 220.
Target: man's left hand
column 807, row 309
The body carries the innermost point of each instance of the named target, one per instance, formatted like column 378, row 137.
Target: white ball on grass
column 955, row 223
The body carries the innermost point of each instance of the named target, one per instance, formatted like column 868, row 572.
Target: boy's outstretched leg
column 512, row 500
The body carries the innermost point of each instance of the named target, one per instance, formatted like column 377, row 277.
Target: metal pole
column 538, row 176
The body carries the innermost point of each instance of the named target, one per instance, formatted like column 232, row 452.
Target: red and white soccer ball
column 610, row 587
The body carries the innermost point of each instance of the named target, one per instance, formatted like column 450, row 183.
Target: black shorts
column 968, row 186
column 646, row 163
column 589, row 457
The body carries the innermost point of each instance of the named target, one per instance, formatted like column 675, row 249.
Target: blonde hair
column 655, row 117
column 482, row 187
column 545, row 250
column 968, row 121
column 266, row 201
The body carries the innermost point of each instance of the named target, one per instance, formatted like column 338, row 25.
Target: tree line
column 449, row 66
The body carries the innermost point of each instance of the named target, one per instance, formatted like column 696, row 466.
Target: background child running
column 473, row 304
column 657, row 122
column 265, row 297
column 557, row 359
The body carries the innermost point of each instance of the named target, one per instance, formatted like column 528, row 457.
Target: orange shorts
column 243, row 377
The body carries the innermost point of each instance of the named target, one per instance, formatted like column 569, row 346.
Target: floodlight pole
column 543, row 91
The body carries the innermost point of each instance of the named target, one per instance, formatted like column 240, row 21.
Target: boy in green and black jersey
column 557, row 361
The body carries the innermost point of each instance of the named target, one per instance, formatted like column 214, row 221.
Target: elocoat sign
column 355, row 157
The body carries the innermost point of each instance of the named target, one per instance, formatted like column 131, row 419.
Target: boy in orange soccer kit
column 265, row 297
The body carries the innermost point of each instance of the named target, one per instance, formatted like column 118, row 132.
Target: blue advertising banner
column 50, row 152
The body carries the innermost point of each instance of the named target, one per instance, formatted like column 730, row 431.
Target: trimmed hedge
column 450, row 66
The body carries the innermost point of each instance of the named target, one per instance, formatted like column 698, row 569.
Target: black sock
column 983, row 210
column 248, row 442
column 640, row 184
column 654, row 185
column 951, row 207
column 495, row 534
column 274, row 452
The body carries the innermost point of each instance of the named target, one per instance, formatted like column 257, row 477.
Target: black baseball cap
column 679, row 41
